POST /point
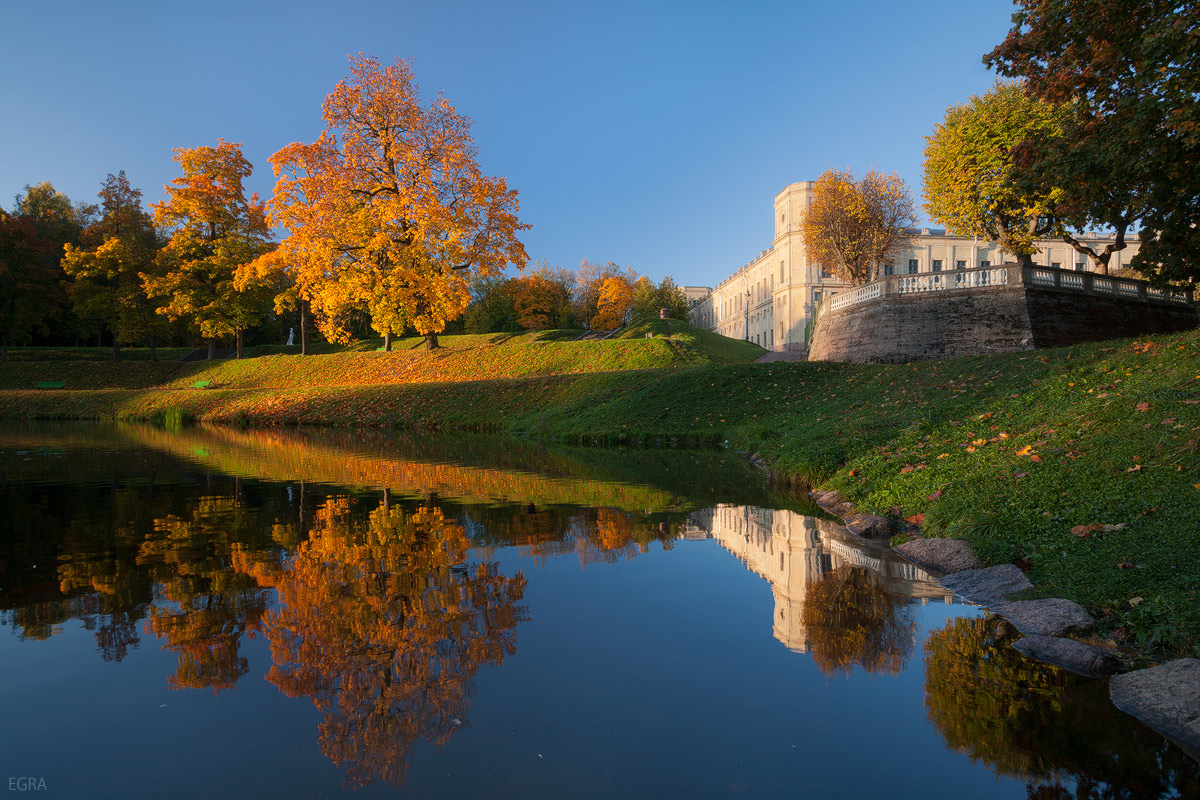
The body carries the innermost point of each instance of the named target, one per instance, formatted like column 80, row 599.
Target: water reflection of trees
column 851, row 619
column 384, row 625
column 1057, row 732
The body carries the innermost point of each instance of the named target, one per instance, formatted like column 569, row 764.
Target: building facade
column 770, row 299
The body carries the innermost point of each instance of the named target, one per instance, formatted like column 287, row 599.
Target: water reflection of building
column 792, row 551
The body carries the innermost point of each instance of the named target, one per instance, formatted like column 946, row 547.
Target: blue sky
column 653, row 134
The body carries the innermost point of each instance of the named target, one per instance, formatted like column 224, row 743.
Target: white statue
column 291, row 342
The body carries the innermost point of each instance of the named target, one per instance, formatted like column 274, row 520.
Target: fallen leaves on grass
column 1085, row 531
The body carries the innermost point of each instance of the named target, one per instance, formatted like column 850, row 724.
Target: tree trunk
column 212, row 349
column 303, row 327
column 4, row 351
column 153, row 350
column 431, row 341
column 239, row 343
column 116, row 349
column 100, row 335
column 387, row 342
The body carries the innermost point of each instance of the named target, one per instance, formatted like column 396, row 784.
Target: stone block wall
column 1018, row 315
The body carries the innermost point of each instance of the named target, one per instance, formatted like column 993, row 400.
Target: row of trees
column 1098, row 133
column 600, row 297
column 389, row 225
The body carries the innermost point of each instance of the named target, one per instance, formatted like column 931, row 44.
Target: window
column 889, row 268
column 937, row 265
column 1055, row 265
column 912, row 266
column 826, row 273
column 985, row 263
column 960, row 264
column 1080, row 266
column 816, row 295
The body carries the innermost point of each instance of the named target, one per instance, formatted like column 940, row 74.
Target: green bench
column 50, row 384
column 201, row 384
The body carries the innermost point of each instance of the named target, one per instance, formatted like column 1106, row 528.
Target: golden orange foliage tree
column 215, row 230
column 851, row 620
column 614, row 305
column 211, row 606
column 540, row 302
column 388, row 209
column 853, row 227
column 384, row 626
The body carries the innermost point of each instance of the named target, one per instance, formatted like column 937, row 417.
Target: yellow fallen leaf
column 947, row 455
column 1026, row 450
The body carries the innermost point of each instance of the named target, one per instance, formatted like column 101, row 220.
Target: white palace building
column 769, row 300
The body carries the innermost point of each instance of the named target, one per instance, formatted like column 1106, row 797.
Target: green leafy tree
column 649, row 300
column 29, row 282
column 493, row 306
column 971, row 183
column 1130, row 71
column 215, row 230
column 60, row 222
column 106, row 267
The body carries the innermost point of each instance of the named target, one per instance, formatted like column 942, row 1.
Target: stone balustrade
column 1005, row 276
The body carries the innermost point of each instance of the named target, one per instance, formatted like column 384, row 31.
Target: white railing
column 981, row 277
column 997, row 277
column 1042, row 277
column 860, row 294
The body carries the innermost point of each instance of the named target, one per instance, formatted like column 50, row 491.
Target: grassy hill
column 461, row 358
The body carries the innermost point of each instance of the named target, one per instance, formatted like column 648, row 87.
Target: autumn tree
column 106, row 268
column 1039, row 723
column 851, row 619
column 214, row 230
column 971, row 183
column 853, row 226
column 588, row 280
column 614, row 304
column 1128, row 71
column 384, row 626
column 388, row 209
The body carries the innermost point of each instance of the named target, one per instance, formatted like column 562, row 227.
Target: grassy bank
column 461, row 358
column 1080, row 463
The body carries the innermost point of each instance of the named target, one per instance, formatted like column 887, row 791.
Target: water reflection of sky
column 320, row 639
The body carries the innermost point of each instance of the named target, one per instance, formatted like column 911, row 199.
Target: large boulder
column 1167, row 698
column 990, row 586
column 1053, row 617
column 870, row 525
column 946, row 555
column 1082, row 659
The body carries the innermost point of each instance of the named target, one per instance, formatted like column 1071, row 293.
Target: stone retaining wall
column 1001, row 310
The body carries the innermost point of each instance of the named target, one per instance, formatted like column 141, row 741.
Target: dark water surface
column 210, row 613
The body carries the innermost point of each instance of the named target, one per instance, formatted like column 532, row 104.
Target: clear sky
column 653, row 134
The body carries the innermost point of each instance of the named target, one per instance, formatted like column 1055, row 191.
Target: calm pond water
column 213, row 613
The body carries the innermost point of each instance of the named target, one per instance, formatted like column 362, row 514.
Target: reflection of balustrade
column 792, row 552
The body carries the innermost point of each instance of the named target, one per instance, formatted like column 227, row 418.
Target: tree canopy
column 854, row 226
column 107, row 265
column 215, row 229
column 1130, row 72
column 971, row 183
column 388, row 209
